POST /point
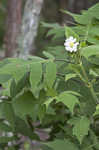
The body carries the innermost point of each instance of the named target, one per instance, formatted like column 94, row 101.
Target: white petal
column 75, row 48
column 68, row 40
column 74, row 40
column 71, row 38
column 67, row 44
column 77, row 43
column 66, row 49
column 69, row 49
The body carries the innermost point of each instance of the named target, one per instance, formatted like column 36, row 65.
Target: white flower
column 71, row 44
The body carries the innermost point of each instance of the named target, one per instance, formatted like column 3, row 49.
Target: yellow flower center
column 71, row 44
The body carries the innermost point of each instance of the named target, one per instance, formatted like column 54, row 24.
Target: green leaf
column 50, row 74
column 13, row 88
column 62, row 144
column 50, row 111
column 24, row 105
column 95, row 140
column 5, row 127
column 76, row 69
column 68, row 99
column 69, row 76
column 94, row 60
column 81, row 19
column 4, row 78
column 51, row 92
column 17, row 88
column 6, row 88
column 6, row 139
column 41, row 112
column 11, row 148
column 50, row 25
column 35, row 58
column 94, row 39
column 94, row 31
column 7, row 112
column 16, row 69
column 73, row 93
column 58, row 51
column 47, row 102
column 73, row 120
column 97, row 110
column 90, row 51
column 94, row 11
column 48, row 55
column 4, row 62
column 57, row 33
column 69, row 32
column 21, row 127
column 87, row 144
column 35, row 75
column 81, row 128
column 92, row 72
column 45, row 147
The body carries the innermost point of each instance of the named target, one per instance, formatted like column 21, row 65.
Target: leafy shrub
column 59, row 92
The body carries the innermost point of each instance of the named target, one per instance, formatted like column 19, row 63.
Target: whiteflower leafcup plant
column 71, row 44
column 57, row 94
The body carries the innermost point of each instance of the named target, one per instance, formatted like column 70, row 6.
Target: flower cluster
column 71, row 44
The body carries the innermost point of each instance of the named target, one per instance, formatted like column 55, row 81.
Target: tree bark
column 63, row 6
column 13, row 27
column 66, row 5
column 74, row 6
column 29, row 28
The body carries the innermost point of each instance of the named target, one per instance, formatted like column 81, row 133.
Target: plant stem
column 93, row 93
column 30, row 123
column 64, row 60
column 89, row 84
column 84, row 72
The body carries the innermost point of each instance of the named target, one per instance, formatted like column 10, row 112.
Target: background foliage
column 56, row 94
column 60, row 92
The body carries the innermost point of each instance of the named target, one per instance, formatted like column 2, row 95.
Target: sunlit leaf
column 68, row 99
column 81, row 128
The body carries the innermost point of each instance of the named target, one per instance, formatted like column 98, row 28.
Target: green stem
column 94, row 94
column 30, row 123
column 64, row 60
column 84, row 73
column 89, row 84
column 87, row 31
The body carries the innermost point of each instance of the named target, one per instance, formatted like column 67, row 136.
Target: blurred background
column 21, row 30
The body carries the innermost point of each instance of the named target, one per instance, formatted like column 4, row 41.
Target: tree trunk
column 63, row 6
column 66, row 5
column 29, row 27
column 73, row 6
column 80, row 5
column 13, row 27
